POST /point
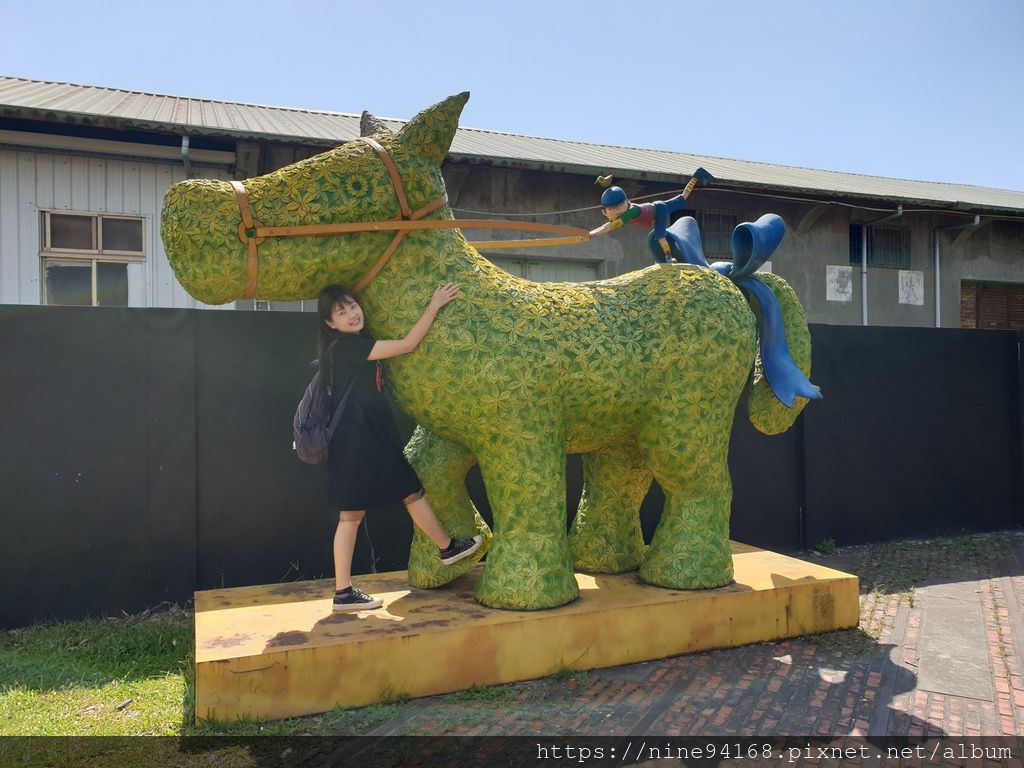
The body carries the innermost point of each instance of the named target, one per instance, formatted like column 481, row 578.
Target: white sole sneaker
column 478, row 541
column 359, row 605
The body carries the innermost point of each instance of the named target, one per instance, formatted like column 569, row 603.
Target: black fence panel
column 767, row 484
column 97, row 463
column 918, row 433
column 262, row 512
column 147, row 453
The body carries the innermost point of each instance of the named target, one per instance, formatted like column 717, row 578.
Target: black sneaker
column 460, row 549
column 356, row 600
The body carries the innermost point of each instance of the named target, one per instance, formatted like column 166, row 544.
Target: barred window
column 715, row 232
column 888, row 246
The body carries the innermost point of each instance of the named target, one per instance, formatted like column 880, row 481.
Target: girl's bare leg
column 423, row 516
column 344, row 546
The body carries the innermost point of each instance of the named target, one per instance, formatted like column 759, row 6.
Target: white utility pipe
column 938, row 295
column 864, row 260
column 186, row 156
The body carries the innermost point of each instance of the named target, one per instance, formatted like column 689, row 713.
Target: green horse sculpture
column 641, row 373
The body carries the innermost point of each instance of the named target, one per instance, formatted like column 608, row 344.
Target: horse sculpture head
column 205, row 237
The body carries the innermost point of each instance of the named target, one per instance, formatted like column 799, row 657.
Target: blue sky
column 916, row 89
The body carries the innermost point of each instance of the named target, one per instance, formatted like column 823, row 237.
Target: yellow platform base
column 278, row 651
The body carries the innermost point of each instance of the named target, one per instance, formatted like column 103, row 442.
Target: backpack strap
column 340, row 407
column 330, row 360
column 344, row 398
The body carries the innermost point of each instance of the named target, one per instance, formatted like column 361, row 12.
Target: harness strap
column 252, row 233
column 247, row 232
column 396, row 180
column 404, row 213
column 408, row 225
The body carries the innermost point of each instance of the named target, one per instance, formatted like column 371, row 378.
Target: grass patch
column 128, row 676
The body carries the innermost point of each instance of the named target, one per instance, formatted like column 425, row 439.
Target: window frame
column 97, row 230
column 50, row 255
column 856, row 245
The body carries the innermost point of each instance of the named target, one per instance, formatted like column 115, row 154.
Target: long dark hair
column 330, row 297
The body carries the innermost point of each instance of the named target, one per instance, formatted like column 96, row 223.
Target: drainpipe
column 950, row 228
column 185, row 157
column 864, row 260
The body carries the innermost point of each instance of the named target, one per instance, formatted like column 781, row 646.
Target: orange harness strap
column 403, row 215
column 247, row 232
column 252, row 233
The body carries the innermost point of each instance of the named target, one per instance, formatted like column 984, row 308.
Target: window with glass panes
column 87, row 257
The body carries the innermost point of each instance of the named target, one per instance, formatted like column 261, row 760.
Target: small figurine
column 616, row 207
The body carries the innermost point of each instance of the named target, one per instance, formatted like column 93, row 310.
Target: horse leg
column 606, row 535
column 689, row 458
column 529, row 565
column 442, row 466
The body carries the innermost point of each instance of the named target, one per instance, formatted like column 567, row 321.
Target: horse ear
column 430, row 133
column 372, row 126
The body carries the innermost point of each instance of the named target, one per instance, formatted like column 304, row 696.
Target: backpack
column 314, row 424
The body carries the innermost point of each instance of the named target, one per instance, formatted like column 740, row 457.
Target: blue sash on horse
column 752, row 245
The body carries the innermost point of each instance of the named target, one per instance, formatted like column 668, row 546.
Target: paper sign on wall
column 911, row 287
column 838, row 283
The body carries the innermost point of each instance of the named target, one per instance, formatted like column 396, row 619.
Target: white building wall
column 34, row 181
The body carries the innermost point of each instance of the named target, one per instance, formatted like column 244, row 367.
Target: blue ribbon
column 752, row 245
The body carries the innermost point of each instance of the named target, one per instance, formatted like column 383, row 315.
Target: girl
column 365, row 460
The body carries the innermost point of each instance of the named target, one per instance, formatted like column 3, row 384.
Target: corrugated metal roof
column 40, row 100
column 36, row 99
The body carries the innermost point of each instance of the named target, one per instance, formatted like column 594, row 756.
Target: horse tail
column 767, row 413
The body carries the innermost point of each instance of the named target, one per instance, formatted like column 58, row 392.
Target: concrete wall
column 992, row 253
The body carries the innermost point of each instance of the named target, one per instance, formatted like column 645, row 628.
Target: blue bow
column 752, row 245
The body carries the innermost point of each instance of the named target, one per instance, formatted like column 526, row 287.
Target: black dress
column 366, row 465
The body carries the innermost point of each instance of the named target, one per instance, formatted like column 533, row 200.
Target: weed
column 564, row 673
column 488, row 693
column 847, row 643
column 388, row 694
column 826, row 547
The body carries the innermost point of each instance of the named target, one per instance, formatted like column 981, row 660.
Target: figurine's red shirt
column 641, row 215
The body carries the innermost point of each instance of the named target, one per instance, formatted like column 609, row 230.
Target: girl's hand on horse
column 444, row 294
column 385, row 349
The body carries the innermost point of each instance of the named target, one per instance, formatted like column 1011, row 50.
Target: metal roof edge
column 847, row 184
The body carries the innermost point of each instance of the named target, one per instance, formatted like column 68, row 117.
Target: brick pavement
column 860, row 682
